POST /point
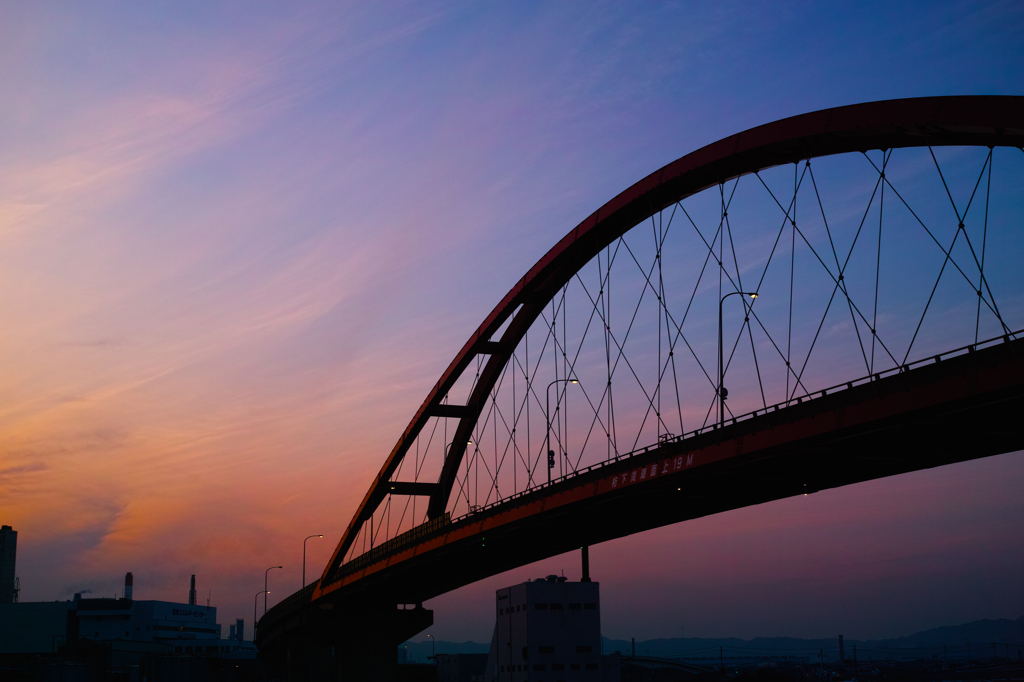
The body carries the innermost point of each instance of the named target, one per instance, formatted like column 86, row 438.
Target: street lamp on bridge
column 265, row 590
column 255, row 600
column 304, row 558
column 723, row 392
column 547, row 419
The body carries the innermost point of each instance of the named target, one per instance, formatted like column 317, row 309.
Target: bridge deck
column 947, row 411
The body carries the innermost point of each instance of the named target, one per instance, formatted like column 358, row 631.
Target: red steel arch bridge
column 826, row 299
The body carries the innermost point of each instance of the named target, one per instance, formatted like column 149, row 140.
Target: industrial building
column 547, row 630
column 141, row 626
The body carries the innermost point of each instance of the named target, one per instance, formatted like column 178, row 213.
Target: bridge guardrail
column 294, row 599
column 931, row 359
column 418, row 533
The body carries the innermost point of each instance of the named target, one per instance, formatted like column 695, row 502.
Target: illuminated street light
column 547, row 419
column 304, row 558
column 722, row 391
column 265, row 590
column 255, row 600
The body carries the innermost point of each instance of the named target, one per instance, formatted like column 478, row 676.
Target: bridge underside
column 959, row 409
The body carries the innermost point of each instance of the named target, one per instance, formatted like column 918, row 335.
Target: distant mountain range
column 970, row 640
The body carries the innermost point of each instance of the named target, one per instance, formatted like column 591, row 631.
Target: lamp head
column 753, row 296
column 573, row 381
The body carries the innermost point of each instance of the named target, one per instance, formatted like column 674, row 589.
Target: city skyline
column 222, row 235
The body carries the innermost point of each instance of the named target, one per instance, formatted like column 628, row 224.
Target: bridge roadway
column 960, row 406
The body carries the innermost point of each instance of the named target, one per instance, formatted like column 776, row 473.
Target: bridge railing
column 417, row 534
column 931, row 359
column 293, row 600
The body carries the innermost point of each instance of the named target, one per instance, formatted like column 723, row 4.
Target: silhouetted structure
column 547, row 629
column 8, row 555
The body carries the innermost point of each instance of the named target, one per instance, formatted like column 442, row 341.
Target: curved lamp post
column 304, row 557
column 255, row 600
column 265, row 590
column 547, row 419
column 722, row 391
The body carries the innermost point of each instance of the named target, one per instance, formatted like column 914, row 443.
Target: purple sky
column 238, row 245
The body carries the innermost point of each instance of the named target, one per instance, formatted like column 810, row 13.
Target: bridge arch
column 927, row 123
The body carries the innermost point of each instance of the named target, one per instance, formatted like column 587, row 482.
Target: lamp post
column 722, row 391
column 304, row 557
column 433, row 651
column 449, row 447
column 255, row 600
column 547, row 419
column 265, row 590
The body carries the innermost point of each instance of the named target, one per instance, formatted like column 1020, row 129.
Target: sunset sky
column 239, row 242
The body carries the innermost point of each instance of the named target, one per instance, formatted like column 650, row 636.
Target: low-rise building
column 547, row 630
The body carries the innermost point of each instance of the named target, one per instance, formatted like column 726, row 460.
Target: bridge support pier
column 356, row 644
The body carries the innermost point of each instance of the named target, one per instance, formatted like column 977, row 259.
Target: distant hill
column 972, row 640
column 1002, row 630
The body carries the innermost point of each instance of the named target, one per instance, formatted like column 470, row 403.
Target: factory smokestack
column 128, row 585
column 192, row 593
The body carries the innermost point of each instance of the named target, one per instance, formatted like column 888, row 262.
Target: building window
column 591, row 666
column 590, row 606
column 574, row 607
column 538, row 667
column 547, row 649
column 558, row 666
column 583, row 649
column 557, row 607
column 517, row 608
column 574, row 666
column 541, row 607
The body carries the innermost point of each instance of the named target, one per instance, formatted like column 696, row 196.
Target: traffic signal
column 551, row 459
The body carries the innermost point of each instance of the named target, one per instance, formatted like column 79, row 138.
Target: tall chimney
column 192, row 593
column 128, row 585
